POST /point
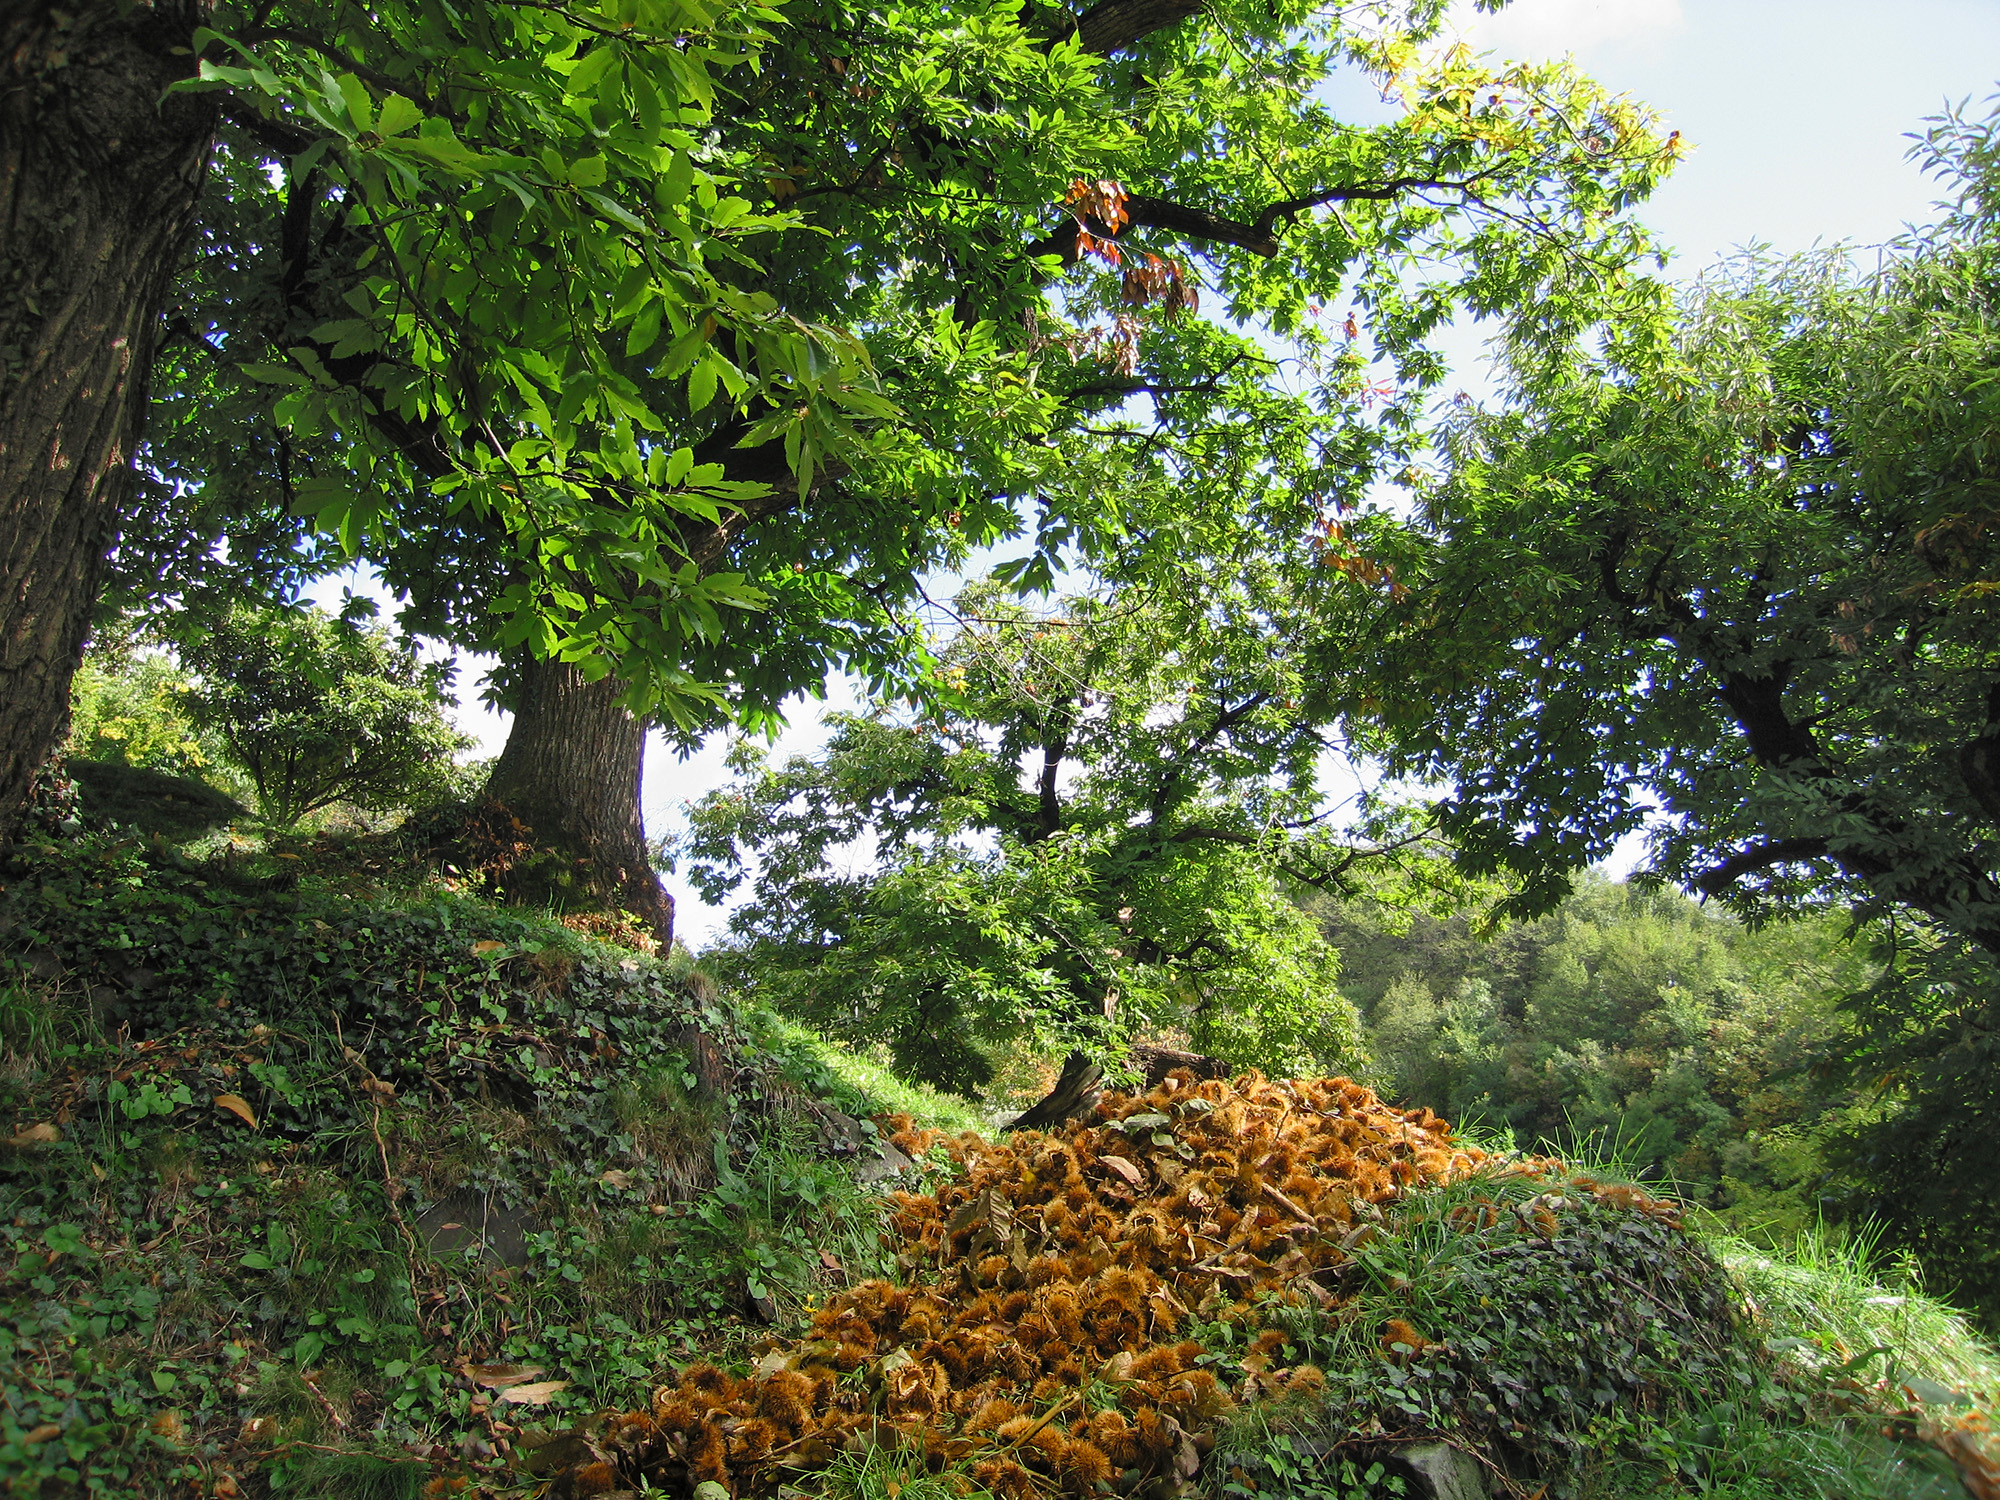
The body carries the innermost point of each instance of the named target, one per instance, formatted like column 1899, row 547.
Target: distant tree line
column 1627, row 1023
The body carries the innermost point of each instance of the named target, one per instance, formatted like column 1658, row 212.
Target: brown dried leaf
column 1123, row 1168
column 238, row 1106
column 498, row 1377
column 538, row 1394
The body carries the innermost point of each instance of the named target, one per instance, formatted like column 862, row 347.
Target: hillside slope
column 316, row 1182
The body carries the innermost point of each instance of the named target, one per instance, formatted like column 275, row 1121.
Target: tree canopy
column 1737, row 590
column 1097, row 840
column 1626, row 1023
column 545, row 310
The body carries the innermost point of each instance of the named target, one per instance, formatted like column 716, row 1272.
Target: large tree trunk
column 98, row 182
column 570, row 771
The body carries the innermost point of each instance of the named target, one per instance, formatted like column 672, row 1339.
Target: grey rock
column 886, row 1162
column 470, row 1222
column 1442, row 1472
column 109, row 1005
column 840, row 1134
column 875, row 1160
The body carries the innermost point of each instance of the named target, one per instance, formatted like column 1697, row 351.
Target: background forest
column 1633, row 1024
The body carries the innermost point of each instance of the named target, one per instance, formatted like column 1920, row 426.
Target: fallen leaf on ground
column 538, row 1394
column 497, row 1377
column 1122, row 1167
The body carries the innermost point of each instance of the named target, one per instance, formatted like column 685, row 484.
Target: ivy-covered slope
column 279, row 1164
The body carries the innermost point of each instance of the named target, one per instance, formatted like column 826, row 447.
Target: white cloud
column 1552, row 28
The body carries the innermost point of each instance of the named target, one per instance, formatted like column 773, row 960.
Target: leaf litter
column 1037, row 1336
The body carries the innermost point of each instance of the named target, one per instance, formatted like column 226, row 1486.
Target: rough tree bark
column 570, row 771
column 99, row 175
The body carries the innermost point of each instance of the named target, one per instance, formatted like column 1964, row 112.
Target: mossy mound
column 173, row 807
column 278, row 1167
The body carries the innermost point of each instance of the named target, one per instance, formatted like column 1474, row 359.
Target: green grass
column 1833, row 1299
column 888, row 1473
column 1739, row 1452
column 350, row 1476
column 860, row 1085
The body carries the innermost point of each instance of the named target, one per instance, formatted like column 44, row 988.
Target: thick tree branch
column 275, row 136
column 1259, row 236
column 766, row 465
column 1979, row 759
column 1116, row 24
column 1123, row 388
column 1891, row 859
column 1780, row 851
column 1220, row 835
column 359, row 69
column 1758, row 706
column 1173, row 778
column 1048, row 804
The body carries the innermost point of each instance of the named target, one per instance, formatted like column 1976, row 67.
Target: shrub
column 317, row 710
column 127, row 709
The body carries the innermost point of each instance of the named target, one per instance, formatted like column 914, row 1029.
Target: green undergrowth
column 1588, row 1347
column 283, row 1168
column 859, row 1084
column 1834, row 1300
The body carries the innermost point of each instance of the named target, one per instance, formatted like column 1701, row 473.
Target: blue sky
column 1797, row 111
column 1798, row 115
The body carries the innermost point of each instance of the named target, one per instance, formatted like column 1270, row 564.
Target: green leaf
column 354, row 94
column 675, row 182
column 584, row 76
column 701, row 383
column 275, row 374
column 398, row 115
column 645, row 329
